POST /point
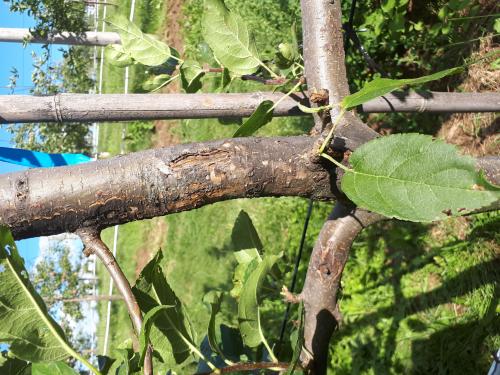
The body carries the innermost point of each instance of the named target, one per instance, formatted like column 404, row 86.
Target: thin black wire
column 352, row 36
column 296, row 268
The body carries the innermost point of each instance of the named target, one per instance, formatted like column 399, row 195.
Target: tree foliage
column 70, row 75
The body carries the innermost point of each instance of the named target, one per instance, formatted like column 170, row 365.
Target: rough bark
column 324, row 274
column 46, row 201
column 156, row 182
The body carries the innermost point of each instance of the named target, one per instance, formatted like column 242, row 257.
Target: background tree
column 59, row 277
column 70, row 75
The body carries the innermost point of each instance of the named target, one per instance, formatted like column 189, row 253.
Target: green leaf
column 143, row 48
column 147, row 324
column 261, row 116
column 13, row 366
column 382, row 86
column 248, row 305
column 297, row 339
column 52, row 368
column 127, row 361
column 213, row 298
column 228, row 37
column 415, row 177
column 116, row 55
column 25, row 324
column 225, row 81
column 191, row 74
column 155, row 82
column 244, row 235
column 247, row 262
column 496, row 26
column 388, row 5
column 171, row 334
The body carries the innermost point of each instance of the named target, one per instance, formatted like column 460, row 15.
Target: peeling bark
column 40, row 202
column 324, row 274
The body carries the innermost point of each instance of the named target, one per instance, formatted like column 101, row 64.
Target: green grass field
column 416, row 298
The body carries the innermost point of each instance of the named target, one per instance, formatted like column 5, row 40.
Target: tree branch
column 83, row 299
column 157, row 182
column 324, row 63
column 322, row 282
column 46, row 201
column 94, row 245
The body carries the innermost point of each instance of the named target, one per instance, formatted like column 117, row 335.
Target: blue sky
column 14, row 55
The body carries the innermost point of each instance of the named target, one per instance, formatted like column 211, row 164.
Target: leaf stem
column 264, row 341
column 297, row 85
column 340, row 165
column 330, row 133
column 176, row 58
column 274, row 75
column 166, row 82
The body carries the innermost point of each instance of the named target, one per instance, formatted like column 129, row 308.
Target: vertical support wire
column 296, row 268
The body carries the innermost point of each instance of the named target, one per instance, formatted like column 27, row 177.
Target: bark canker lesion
column 158, row 182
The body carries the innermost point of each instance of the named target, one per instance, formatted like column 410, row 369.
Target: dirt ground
column 163, row 136
column 477, row 134
column 172, row 35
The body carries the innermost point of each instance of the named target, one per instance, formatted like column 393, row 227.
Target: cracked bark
column 46, row 201
column 322, row 283
column 158, row 182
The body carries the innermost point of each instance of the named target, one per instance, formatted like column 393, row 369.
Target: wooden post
column 88, row 38
column 127, row 107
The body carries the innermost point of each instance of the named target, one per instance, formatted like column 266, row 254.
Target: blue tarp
column 35, row 159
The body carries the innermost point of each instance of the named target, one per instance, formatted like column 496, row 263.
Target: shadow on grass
column 445, row 337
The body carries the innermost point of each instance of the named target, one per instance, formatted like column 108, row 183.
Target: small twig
column 266, row 81
column 94, row 245
column 288, row 296
column 250, row 366
column 213, row 70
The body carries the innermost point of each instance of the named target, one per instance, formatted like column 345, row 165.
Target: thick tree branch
column 324, row 274
column 46, row 201
column 93, row 245
column 158, row 182
column 325, row 65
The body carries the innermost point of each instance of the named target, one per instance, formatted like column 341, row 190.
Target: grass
column 416, row 298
